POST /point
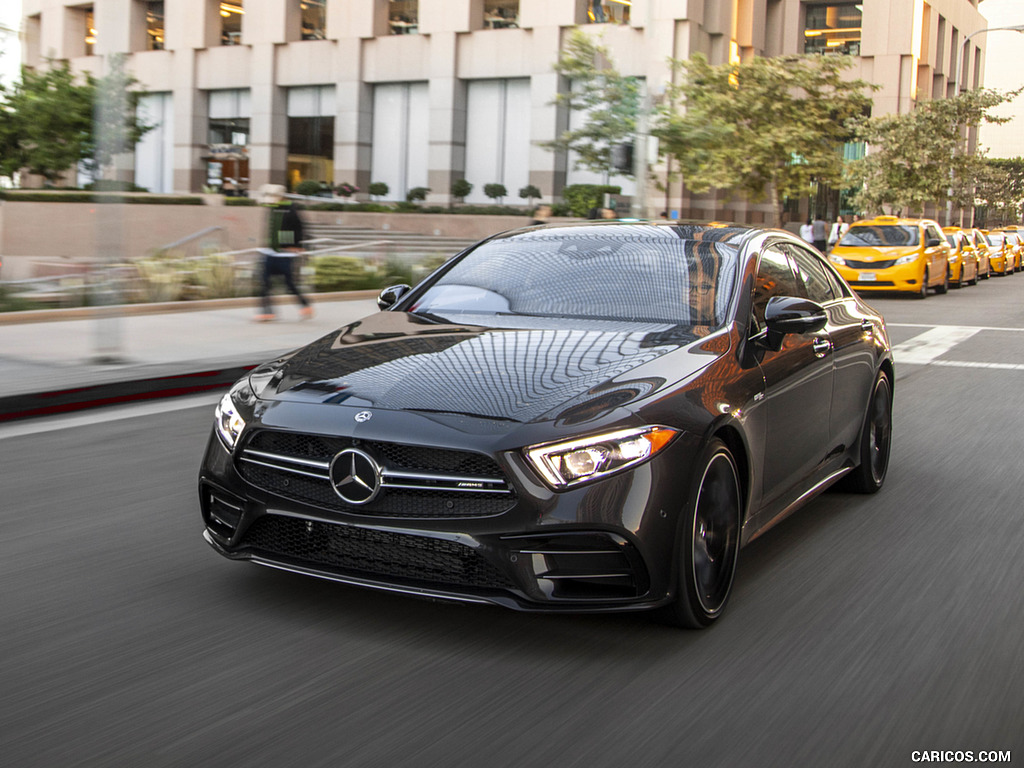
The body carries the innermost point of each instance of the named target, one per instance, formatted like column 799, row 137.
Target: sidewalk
column 58, row 361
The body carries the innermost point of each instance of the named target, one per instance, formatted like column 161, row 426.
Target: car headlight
column 227, row 416
column 910, row 258
column 566, row 464
column 837, row 260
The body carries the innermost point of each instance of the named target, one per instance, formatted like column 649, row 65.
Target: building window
column 608, row 11
column 227, row 164
column 231, row 23
column 311, row 135
column 314, row 19
column 155, row 25
column 404, row 17
column 401, row 111
column 90, row 29
column 833, row 28
column 501, row 14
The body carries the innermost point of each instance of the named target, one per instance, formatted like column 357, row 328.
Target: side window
column 814, row 276
column 774, row 278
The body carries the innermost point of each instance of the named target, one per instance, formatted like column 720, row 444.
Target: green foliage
column 239, row 201
column 767, row 127
column 28, row 196
column 50, row 121
column 461, row 188
column 217, row 275
column 580, row 198
column 341, row 273
column 530, row 193
column 918, row 157
column 309, row 188
column 378, row 189
column 1000, row 191
column 495, row 191
column 416, row 194
column 609, row 101
column 162, row 276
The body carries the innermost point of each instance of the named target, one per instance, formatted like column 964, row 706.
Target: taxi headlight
column 837, row 260
column 910, row 258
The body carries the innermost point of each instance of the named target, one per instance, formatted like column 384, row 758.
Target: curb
column 36, row 404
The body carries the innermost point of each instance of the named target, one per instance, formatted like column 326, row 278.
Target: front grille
column 418, row 482
column 869, row 264
column 869, row 283
column 372, row 553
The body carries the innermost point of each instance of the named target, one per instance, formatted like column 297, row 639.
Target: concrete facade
column 906, row 47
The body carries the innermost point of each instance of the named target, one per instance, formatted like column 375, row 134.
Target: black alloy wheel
column 875, row 441
column 709, row 541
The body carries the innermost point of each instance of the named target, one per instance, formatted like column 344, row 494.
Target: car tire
column 875, row 440
column 709, row 541
column 923, row 291
column 943, row 287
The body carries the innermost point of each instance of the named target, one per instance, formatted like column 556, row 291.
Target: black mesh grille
column 869, row 264
column 369, row 553
column 425, row 503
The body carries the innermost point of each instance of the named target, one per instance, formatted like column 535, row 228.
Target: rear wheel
column 709, row 542
column 943, row 287
column 875, row 440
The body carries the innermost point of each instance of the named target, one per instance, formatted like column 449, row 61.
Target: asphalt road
column 862, row 629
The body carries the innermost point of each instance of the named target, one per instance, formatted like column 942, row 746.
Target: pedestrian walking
column 839, row 228
column 820, row 233
column 283, row 251
column 807, row 232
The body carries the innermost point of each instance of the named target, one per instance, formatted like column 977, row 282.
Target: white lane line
column 964, row 364
column 100, row 415
column 926, row 347
column 972, row 327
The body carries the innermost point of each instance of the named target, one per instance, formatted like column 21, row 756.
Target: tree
column 918, row 157
column 461, row 188
column 49, row 122
column 529, row 193
column 609, row 101
column 495, row 191
column 1000, row 191
column 767, row 127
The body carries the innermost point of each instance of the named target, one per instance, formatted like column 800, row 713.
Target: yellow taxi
column 1014, row 240
column 889, row 253
column 1000, row 252
column 963, row 258
column 983, row 250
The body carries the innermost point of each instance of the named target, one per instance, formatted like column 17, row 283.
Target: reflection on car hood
column 875, row 252
column 530, row 369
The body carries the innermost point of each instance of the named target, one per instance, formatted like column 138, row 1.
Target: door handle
column 821, row 346
column 867, row 326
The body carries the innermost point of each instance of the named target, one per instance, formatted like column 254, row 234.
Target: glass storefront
column 833, row 28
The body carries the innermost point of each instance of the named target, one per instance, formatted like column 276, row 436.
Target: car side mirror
column 788, row 314
column 931, row 242
column 387, row 298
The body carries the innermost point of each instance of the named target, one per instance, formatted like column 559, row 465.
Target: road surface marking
column 930, row 345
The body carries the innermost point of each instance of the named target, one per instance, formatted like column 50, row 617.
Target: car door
column 936, row 255
column 851, row 331
column 798, row 386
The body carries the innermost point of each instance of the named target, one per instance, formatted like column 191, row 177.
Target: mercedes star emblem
column 363, row 416
column 355, row 476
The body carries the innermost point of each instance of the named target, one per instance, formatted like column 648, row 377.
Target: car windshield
column 650, row 275
column 995, row 238
column 882, row 234
column 951, row 239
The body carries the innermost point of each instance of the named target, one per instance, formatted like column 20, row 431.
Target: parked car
column 983, row 251
column 963, row 258
column 893, row 254
column 1000, row 254
column 560, row 418
column 1013, row 245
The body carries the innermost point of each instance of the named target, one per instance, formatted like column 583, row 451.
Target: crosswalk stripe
column 930, row 345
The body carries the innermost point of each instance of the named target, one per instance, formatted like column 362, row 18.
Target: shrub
column 378, row 189
column 341, row 273
column 495, row 191
column 239, row 201
column 530, row 193
column 461, row 188
column 581, row 198
column 215, row 272
column 346, row 190
column 417, row 193
column 308, row 188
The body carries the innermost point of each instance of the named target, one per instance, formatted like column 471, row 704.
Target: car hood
column 529, row 369
column 875, row 253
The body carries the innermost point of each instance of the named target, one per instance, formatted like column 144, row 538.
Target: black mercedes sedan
column 591, row 417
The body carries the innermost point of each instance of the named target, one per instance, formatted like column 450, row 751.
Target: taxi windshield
column 882, row 234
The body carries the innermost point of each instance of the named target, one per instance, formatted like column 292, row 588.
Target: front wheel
column 943, row 287
column 709, row 541
column 875, row 440
column 923, row 292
